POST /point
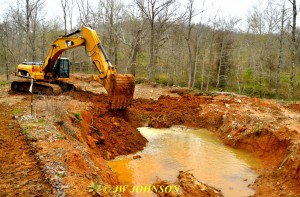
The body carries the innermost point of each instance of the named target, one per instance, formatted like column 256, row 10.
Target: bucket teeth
column 122, row 92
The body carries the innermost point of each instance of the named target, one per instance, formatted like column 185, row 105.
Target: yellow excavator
column 52, row 75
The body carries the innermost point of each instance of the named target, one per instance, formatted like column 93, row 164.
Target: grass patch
column 61, row 174
column 3, row 83
column 258, row 130
column 26, row 130
column 17, row 111
column 60, row 136
column 94, row 188
column 41, row 120
column 78, row 116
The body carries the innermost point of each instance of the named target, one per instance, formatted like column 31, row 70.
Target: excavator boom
column 120, row 87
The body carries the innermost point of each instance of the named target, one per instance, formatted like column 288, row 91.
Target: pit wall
column 246, row 123
column 241, row 122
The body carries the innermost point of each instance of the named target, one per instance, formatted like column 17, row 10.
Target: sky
column 225, row 8
column 237, row 8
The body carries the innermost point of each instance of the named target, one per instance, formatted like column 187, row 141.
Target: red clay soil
column 268, row 129
column 20, row 174
column 258, row 126
column 255, row 125
column 109, row 133
column 189, row 186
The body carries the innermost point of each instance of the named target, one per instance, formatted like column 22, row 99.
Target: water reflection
column 180, row 148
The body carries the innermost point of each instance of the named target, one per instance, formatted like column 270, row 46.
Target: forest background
column 170, row 42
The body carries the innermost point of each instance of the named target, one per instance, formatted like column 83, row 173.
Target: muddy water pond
column 197, row 150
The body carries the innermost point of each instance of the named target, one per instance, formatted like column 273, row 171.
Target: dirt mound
column 189, row 185
column 109, row 133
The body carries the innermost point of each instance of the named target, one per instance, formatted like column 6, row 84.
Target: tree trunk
column 116, row 50
column 133, row 56
column 151, row 63
column 202, row 74
column 292, row 79
column 220, row 66
column 195, row 67
column 196, row 60
column 27, row 28
column 280, row 62
column 190, row 65
column 260, row 79
column 6, row 58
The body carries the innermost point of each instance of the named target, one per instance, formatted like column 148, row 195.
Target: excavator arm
column 120, row 87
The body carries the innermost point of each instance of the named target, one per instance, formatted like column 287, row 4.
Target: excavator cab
column 62, row 68
column 47, row 74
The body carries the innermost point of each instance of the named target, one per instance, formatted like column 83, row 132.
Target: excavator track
column 122, row 91
column 37, row 88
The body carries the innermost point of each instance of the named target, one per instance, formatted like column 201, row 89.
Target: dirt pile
column 109, row 133
column 189, row 185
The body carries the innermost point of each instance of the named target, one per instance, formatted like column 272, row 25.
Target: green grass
column 3, row 83
column 26, row 130
column 94, row 188
column 61, row 174
column 78, row 116
column 60, row 136
column 41, row 120
column 258, row 130
column 17, row 111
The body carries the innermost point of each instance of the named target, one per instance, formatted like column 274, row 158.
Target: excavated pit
column 197, row 151
column 72, row 154
column 254, row 125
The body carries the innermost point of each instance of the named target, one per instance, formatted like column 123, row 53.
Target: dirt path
column 20, row 175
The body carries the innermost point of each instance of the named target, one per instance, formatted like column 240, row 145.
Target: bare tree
column 70, row 13
column 85, row 12
column 158, row 13
column 111, row 12
column 224, row 45
column 4, row 40
column 272, row 17
column 65, row 6
column 17, row 34
column 190, row 15
column 294, row 47
column 281, row 39
column 32, row 16
column 190, row 39
column 135, row 46
column 263, row 23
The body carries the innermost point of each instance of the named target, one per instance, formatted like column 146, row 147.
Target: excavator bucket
column 122, row 89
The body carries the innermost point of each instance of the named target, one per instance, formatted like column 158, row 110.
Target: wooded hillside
column 168, row 42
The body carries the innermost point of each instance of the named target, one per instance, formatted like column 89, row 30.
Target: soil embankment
column 267, row 129
column 72, row 153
